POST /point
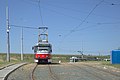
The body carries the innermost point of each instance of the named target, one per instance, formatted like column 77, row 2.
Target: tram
column 43, row 49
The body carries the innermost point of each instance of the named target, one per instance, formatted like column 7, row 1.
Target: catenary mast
column 8, row 29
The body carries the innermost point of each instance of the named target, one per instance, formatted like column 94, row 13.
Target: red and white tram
column 42, row 53
column 43, row 49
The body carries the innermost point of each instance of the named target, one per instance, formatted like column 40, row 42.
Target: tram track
column 66, row 71
column 52, row 74
column 32, row 73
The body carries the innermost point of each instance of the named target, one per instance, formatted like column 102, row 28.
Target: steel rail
column 52, row 74
column 32, row 74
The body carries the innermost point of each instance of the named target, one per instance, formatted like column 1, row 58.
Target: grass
column 62, row 58
column 109, row 64
column 15, row 58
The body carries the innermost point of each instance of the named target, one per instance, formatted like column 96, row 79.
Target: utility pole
column 81, row 52
column 39, row 39
column 8, row 29
column 22, row 44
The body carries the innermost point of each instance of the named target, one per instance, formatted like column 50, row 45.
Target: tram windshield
column 42, row 51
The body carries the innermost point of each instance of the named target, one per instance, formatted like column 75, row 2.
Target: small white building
column 74, row 59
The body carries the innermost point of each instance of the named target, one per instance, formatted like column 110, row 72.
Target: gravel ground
column 22, row 73
column 67, row 71
column 74, row 71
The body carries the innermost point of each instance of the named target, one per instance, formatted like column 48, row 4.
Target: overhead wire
column 65, row 8
column 37, row 1
column 101, row 23
column 83, row 21
column 75, row 10
column 60, row 13
column 111, row 3
column 28, row 27
column 34, row 0
column 39, row 5
column 66, row 15
column 88, row 14
column 75, row 28
column 84, row 28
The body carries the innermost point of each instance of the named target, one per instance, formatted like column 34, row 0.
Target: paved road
column 72, row 72
column 7, row 70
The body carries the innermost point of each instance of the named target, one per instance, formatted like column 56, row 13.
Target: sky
column 91, row 26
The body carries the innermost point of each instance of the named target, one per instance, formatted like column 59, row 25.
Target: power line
column 75, row 10
column 86, row 28
column 37, row 2
column 76, row 18
column 27, row 27
column 23, row 27
column 39, row 5
column 34, row 0
column 103, row 23
column 65, row 8
column 66, row 15
column 88, row 15
column 60, row 13
column 74, row 29
column 111, row 3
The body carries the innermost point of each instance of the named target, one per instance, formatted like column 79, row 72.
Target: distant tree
column 118, row 48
